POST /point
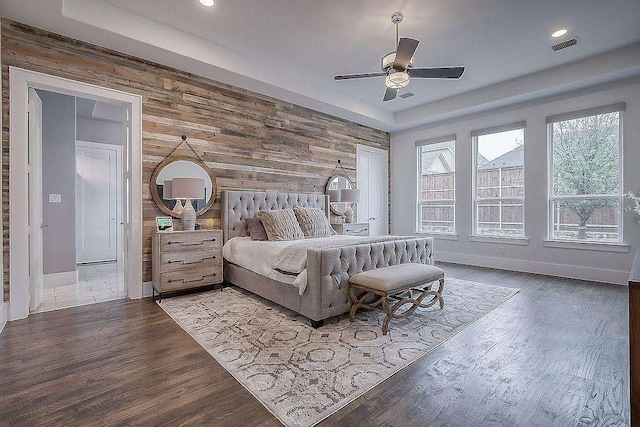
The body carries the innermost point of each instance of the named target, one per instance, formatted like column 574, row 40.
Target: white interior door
column 373, row 183
column 35, row 200
column 97, row 201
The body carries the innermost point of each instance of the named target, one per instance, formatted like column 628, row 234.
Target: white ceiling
column 292, row 49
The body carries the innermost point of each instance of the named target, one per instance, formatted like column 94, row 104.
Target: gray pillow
column 256, row 229
column 281, row 225
column 313, row 222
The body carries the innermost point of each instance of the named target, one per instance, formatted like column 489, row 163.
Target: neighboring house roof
column 512, row 159
column 429, row 160
column 482, row 159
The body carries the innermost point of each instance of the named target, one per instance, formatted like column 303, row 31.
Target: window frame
column 474, row 182
column 420, row 203
column 551, row 198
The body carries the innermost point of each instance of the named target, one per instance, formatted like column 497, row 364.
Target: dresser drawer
column 176, row 242
column 178, row 261
column 192, row 278
column 358, row 230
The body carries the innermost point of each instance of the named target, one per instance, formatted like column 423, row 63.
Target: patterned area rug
column 303, row 375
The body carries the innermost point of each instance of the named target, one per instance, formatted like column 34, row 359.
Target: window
column 437, row 185
column 499, row 181
column 585, row 183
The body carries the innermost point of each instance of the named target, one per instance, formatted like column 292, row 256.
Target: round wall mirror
column 336, row 183
column 183, row 167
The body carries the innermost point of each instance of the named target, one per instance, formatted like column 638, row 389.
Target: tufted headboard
column 238, row 205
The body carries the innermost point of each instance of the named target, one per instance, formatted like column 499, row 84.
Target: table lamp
column 350, row 196
column 188, row 189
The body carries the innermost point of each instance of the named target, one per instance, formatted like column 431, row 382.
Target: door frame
column 20, row 81
column 378, row 151
column 119, row 191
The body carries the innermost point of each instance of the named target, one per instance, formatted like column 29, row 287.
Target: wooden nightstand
column 186, row 260
column 352, row 228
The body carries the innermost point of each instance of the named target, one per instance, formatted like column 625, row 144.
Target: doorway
column 107, row 251
column 373, row 183
column 75, row 200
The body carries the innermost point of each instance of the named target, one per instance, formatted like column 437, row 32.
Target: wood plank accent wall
column 251, row 141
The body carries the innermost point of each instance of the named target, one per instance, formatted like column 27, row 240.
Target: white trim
column 551, row 198
column 4, row 309
column 595, row 111
column 522, row 241
column 52, row 280
column 20, row 81
column 616, row 277
column 441, row 236
column 499, row 129
column 147, row 290
column 475, row 200
column 588, row 246
column 419, row 202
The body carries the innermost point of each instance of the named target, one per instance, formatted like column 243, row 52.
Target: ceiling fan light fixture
column 397, row 80
column 207, row 3
column 389, row 59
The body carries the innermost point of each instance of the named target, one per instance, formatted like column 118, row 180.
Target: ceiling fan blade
column 436, row 73
column 390, row 94
column 358, row 76
column 406, row 48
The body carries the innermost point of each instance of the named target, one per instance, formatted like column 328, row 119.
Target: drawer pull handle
column 192, row 281
column 202, row 242
column 183, row 262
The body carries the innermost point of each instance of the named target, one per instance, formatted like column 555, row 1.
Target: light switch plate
column 55, row 198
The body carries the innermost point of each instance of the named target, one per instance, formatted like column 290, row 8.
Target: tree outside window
column 586, row 188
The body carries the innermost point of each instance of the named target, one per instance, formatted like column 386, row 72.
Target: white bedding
column 259, row 256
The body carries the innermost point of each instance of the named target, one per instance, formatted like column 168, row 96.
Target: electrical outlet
column 501, row 250
column 55, row 198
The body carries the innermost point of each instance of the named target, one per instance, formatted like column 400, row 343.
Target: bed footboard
column 329, row 270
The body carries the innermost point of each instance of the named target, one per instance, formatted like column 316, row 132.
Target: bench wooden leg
column 402, row 298
column 415, row 303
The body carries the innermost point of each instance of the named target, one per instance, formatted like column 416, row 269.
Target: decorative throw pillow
column 313, row 222
column 281, row 225
column 256, row 229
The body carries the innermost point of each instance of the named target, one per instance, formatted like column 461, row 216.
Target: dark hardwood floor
column 556, row 354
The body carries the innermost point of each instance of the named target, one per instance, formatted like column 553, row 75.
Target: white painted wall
column 101, row 131
column 535, row 257
column 58, row 177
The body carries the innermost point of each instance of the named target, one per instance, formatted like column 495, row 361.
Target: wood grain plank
column 251, row 141
column 555, row 355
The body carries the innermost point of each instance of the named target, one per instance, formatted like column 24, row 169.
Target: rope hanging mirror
column 338, row 184
column 182, row 179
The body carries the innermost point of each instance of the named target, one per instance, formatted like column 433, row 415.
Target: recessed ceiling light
column 207, row 3
column 559, row 33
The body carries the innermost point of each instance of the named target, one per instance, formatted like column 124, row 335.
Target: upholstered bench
column 396, row 282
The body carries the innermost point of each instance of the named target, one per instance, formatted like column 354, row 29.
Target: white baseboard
column 60, row 279
column 4, row 309
column 147, row 289
column 616, row 277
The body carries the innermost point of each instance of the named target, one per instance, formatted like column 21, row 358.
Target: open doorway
column 26, row 220
column 78, row 178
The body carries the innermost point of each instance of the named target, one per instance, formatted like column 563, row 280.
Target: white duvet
column 260, row 257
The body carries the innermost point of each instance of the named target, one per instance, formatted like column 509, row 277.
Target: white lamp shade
column 187, row 188
column 334, row 195
column 349, row 195
column 166, row 190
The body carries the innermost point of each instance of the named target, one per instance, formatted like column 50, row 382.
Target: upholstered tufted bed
column 328, row 269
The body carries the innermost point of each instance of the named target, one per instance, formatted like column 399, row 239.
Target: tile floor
column 96, row 283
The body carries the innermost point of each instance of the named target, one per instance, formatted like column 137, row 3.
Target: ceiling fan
column 397, row 67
